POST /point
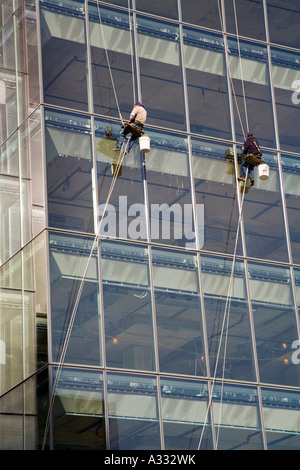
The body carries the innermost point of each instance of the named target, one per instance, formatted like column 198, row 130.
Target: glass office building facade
column 177, row 325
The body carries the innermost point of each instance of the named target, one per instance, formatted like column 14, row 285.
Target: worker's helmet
column 250, row 134
column 138, row 103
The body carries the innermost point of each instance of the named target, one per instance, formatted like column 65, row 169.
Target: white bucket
column 144, row 142
column 263, row 171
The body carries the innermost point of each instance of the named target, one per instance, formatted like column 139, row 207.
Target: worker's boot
column 252, row 181
column 240, row 178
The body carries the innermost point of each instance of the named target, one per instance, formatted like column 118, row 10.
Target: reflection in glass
column 291, row 172
column 78, row 410
column 283, row 20
column 275, row 323
column 127, row 307
column 205, row 14
column 160, row 70
column 285, row 72
column 132, row 412
column 206, row 83
column 227, row 319
column 178, row 313
column 236, row 417
column 248, row 65
column 243, row 11
column 75, row 298
column 263, row 216
column 214, row 174
column 184, row 413
column 281, row 413
column 111, row 50
column 169, row 192
column 167, row 8
column 69, row 181
column 64, row 55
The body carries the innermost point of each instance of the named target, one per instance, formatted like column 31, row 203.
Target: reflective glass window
column 64, row 54
column 160, row 72
column 227, row 319
column 206, row 83
column 215, row 187
column 186, row 421
column 263, row 215
column 127, row 306
column 169, row 193
column 202, row 13
column 285, row 72
column 75, row 300
column 132, row 412
column 236, row 417
column 119, row 186
column 112, row 61
column 69, row 179
column 78, row 410
column 167, row 8
column 246, row 18
column 274, row 322
column 291, row 172
column 283, row 20
column 281, row 412
column 178, row 313
column 250, row 88
column 10, row 231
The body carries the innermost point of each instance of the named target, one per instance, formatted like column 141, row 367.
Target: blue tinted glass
column 283, row 22
column 161, row 74
column 190, row 429
column 274, row 322
column 127, row 307
column 169, row 193
column 285, row 72
column 291, row 171
column 281, row 411
column 206, row 83
column 167, row 8
column 215, row 186
column 203, row 13
column 64, row 54
column 178, row 313
column 227, row 319
column 121, row 198
column 78, row 410
column 263, row 215
column 75, row 302
column 69, row 180
column 236, row 415
column 250, row 88
column 112, row 63
column 245, row 17
column 132, row 412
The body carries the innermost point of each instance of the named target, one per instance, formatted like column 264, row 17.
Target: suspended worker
column 250, row 147
column 134, row 126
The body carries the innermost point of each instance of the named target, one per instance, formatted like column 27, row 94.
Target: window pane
column 285, row 71
column 178, row 313
column 75, row 297
column 10, row 231
column 215, row 186
column 206, row 82
column 207, row 14
column 161, row 76
column 167, row 8
column 64, row 55
column 169, row 192
column 236, row 418
column 111, row 50
column 227, row 319
column 274, row 322
column 282, row 418
column 249, row 16
column 132, row 412
column 263, row 216
column 184, row 413
column 78, row 411
column 248, row 64
column 69, row 181
column 127, row 307
column 283, row 19
column 291, row 167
